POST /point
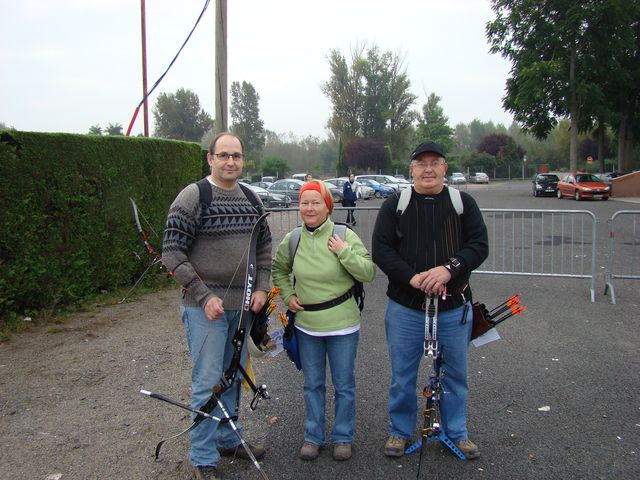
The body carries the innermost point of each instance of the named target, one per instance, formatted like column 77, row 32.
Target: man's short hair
column 212, row 145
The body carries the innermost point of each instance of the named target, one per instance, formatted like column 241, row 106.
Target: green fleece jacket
column 321, row 275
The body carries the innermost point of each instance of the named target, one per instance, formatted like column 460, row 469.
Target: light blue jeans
column 211, row 352
column 405, row 329
column 341, row 352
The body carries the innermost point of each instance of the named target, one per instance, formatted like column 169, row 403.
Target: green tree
column 245, row 116
column 566, row 56
column 370, row 97
column 114, row 129
column 95, row 130
column 180, row 117
column 275, row 166
column 434, row 125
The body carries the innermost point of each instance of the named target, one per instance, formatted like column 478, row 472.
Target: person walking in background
column 429, row 248
column 327, row 321
column 349, row 198
column 208, row 230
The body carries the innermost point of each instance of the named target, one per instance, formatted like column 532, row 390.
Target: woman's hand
column 294, row 304
column 336, row 244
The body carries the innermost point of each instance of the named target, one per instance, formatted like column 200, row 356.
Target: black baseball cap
column 427, row 147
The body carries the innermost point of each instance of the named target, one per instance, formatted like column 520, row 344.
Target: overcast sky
column 66, row 65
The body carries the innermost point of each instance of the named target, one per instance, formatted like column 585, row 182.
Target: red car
column 583, row 185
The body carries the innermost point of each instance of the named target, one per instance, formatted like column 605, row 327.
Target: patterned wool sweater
column 206, row 246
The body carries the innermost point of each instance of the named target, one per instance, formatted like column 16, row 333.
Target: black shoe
column 353, row 224
column 206, row 472
column 239, row 452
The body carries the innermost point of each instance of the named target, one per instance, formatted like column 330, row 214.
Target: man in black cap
column 427, row 241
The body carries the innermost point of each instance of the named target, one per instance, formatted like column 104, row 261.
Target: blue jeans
column 405, row 338
column 341, row 351
column 211, row 352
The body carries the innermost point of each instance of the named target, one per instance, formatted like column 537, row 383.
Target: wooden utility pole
column 221, row 106
column 145, row 110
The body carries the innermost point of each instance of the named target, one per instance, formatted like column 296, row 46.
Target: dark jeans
column 350, row 216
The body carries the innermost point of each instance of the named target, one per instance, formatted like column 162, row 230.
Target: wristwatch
column 453, row 265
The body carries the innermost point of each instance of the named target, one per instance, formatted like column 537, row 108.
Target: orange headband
column 318, row 187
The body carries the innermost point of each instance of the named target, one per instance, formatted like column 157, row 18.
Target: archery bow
column 156, row 259
column 432, row 428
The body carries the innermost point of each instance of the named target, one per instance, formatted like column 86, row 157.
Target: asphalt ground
column 556, row 397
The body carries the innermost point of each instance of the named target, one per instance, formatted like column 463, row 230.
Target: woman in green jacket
column 327, row 323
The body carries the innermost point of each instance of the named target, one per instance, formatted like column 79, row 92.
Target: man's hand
column 294, row 304
column 432, row 282
column 258, row 299
column 213, row 309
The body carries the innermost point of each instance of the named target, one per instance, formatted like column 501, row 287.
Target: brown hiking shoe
column 309, row 451
column 342, row 451
column 469, row 449
column 239, row 452
column 206, row 472
column 394, row 446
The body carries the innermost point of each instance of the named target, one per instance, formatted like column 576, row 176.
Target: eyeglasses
column 224, row 156
column 421, row 165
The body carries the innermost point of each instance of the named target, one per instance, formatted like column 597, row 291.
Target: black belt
column 331, row 303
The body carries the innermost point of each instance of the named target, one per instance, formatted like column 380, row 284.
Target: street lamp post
column 524, row 164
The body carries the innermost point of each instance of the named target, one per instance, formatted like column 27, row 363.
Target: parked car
column 336, row 192
column 396, row 183
column 288, row 187
column 380, row 190
column 479, row 177
column 457, row 178
column 270, row 199
column 545, row 184
column 261, row 184
column 608, row 176
column 269, row 179
column 583, row 185
column 364, row 192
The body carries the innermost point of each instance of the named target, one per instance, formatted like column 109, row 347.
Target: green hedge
column 67, row 228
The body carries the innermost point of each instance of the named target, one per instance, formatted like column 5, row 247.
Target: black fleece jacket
column 426, row 235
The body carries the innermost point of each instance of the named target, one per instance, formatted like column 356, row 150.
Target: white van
column 299, row 176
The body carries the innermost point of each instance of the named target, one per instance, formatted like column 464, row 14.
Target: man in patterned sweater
column 205, row 247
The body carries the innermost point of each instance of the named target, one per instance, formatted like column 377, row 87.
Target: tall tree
column 245, row 116
column 563, row 53
column 180, row 117
column 370, row 97
column 433, row 124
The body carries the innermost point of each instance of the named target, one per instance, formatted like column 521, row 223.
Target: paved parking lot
column 556, row 397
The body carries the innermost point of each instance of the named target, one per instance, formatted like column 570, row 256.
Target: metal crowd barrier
column 547, row 243
column 624, row 248
column 550, row 243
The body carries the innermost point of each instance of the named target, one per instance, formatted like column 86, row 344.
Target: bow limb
column 155, row 256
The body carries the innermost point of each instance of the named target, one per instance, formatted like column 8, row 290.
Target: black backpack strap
column 204, row 188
